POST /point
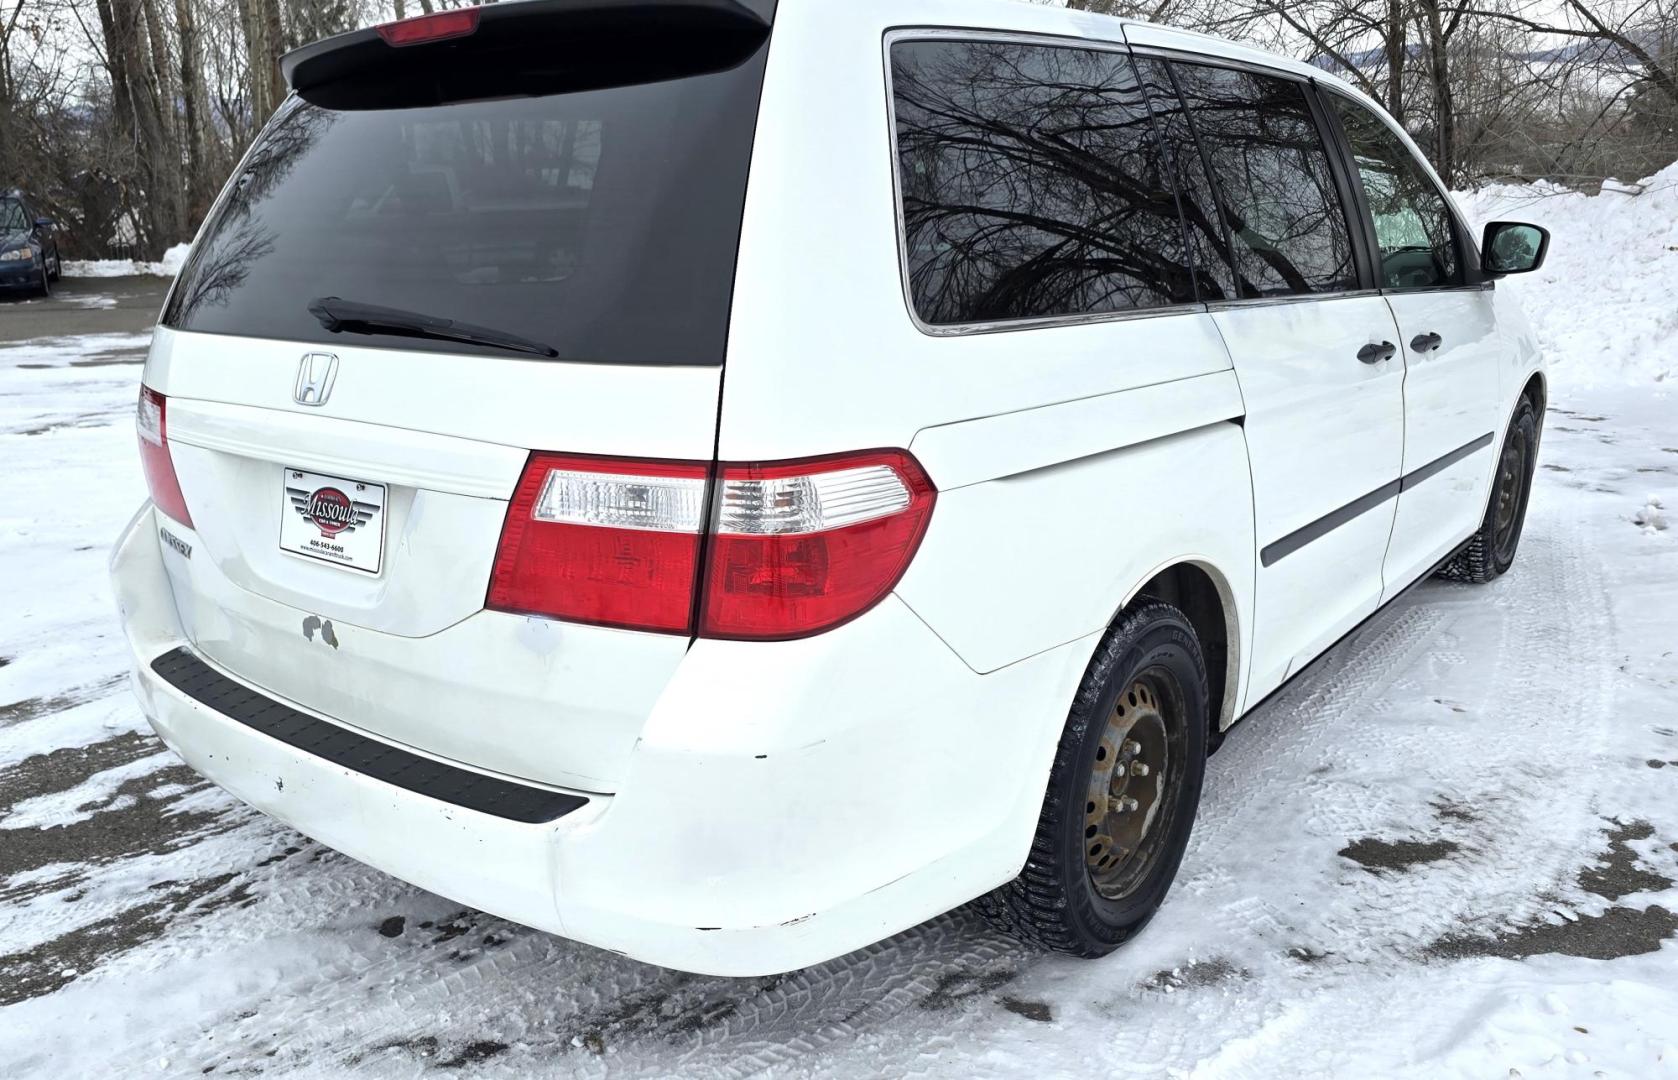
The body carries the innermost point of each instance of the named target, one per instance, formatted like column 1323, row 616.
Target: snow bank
column 168, row 266
column 1605, row 304
column 175, row 258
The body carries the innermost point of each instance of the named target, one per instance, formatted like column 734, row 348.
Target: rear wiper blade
column 350, row 317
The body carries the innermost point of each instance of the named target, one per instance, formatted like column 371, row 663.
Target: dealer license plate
column 333, row 519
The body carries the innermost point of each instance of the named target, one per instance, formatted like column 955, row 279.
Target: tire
column 1491, row 550
column 1150, row 666
column 45, row 286
column 57, row 266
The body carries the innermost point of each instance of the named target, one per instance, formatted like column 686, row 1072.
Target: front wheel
column 1491, row 550
column 1122, row 793
column 44, row 286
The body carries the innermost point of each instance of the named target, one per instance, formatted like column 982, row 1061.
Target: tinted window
column 1413, row 226
column 1214, row 264
column 1032, row 184
column 602, row 222
column 1274, row 184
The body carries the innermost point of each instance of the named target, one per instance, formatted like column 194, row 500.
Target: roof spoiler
column 501, row 26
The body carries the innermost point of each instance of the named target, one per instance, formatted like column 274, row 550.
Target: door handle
column 1426, row 342
column 1374, row 354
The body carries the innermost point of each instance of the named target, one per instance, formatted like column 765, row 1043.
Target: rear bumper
column 786, row 802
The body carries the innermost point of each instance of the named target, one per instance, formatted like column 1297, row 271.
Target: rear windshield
column 601, row 222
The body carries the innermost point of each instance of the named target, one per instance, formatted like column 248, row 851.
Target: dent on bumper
column 763, row 825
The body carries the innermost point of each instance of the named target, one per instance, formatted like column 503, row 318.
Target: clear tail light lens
column 602, row 541
column 801, row 547
column 152, row 423
column 794, row 548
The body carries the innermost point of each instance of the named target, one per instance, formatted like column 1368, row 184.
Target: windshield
column 602, row 222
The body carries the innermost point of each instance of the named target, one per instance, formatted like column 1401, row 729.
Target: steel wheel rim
column 1511, row 483
column 1129, row 805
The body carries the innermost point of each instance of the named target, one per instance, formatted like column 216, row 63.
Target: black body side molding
column 1287, row 545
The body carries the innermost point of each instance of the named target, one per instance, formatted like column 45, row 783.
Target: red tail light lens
column 603, row 541
column 151, row 420
column 801, row 547
column 795, row 547
column 422, row 28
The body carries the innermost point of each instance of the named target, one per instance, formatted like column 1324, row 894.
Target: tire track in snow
column 1407, row 738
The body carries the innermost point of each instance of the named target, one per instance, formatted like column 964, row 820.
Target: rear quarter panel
column 1021, row 563
column 1073, row 462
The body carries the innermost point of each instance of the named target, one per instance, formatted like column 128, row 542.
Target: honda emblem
column 314, row 378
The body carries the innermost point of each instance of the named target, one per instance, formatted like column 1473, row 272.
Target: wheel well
column 1534, row 389
column 1193, row 591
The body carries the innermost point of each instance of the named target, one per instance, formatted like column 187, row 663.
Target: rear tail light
column 603, row 541
column 151, row 420
column 422, row 28
column 801, row 547
column 794, row 548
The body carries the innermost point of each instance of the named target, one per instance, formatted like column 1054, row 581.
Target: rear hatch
column 458, row 242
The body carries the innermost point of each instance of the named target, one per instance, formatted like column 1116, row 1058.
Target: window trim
column 1189, row 56
column 1294, row 298
column 1468, row 252
column 1350, row 185
column 1199, row 151
column 1362, row 253
column 898, row 35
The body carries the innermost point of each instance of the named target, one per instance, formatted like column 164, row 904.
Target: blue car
column 29, row 256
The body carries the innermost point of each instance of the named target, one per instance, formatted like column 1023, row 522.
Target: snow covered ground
column 168, row 266
column 1448, row 850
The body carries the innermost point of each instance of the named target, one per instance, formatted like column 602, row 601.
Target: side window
column 1214, row 262
column 1272, row 177
column 1032, row 185
column 1413, row 225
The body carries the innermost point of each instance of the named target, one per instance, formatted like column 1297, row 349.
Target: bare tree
column 1573, row 89
column 264, row 37
column 125, row 116
column 194, row 109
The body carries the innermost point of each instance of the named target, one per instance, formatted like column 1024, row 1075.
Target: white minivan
column 728, row 480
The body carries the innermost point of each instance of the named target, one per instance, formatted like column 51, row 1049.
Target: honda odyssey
column 728, row 480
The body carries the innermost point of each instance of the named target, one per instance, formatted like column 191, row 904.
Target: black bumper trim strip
column 1332, row 520
column 352, row 750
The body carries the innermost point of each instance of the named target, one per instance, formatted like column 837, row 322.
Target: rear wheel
column 1122, row 793
column 1491, row 551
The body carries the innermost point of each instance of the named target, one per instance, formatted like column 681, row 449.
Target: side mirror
column 1513, row 247
column 43, row 223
